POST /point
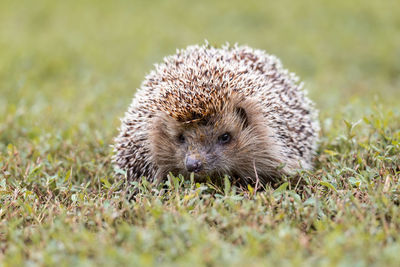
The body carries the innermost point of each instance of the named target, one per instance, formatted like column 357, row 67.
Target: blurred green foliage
column 68, row 71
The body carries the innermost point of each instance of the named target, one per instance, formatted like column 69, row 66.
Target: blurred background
column 68, row 69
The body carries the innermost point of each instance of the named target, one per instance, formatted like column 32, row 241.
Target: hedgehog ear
column 242, row 114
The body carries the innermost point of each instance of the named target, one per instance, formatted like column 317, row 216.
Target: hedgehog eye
column 181, row 138
column 224, row 138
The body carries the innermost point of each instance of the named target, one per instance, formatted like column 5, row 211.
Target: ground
column 68, row 71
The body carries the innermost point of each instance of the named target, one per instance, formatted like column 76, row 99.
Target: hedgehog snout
column 193, row 163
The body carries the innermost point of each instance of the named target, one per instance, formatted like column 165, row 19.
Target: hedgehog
column 211, row 112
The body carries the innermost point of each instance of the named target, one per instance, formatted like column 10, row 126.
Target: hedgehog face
column 222, row 143
column 205, row 146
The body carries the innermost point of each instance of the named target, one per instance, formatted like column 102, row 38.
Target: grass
column 68, row 71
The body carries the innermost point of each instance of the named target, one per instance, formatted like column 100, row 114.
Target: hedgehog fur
column 214, row 111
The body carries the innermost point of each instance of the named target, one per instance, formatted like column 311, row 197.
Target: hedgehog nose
column 193, row 164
